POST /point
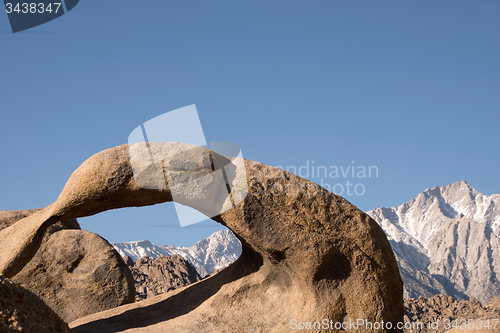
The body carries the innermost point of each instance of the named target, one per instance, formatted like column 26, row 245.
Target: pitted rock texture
column 157, row 276
column 307, row 253
column 75, row 272
column 493, row 303
column 445, row 310
column 22, row 311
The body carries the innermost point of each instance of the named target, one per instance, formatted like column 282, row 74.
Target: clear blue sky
column 412, row 87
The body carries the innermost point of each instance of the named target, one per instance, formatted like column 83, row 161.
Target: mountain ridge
column 207, row 255
column 446, row 241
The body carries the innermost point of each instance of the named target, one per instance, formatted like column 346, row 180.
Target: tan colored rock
column 9, row 217
column 77, row 273
column 472, row 330
column 157, row 276
column 308, row 254
column 447, row 312
column 493, row 303
column 22, row 311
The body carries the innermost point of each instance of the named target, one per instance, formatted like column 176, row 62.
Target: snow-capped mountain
column 446, row 241
column 212, row 253
column 137, row 250
column 207, row 255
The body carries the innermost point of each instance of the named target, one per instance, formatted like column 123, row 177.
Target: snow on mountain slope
column 207, row 255
column 137, row 250
column 212, row 253
column 446, row 240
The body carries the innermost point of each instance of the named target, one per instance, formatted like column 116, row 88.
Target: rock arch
column 308, row 254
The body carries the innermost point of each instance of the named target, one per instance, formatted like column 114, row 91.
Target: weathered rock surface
column 307, row 253
column 444, row 310
column 157, row 276
column 75, row 272
column 493, row 303
column 128, row 260
column 468, row 330
column 22, row 311
column 9, row 217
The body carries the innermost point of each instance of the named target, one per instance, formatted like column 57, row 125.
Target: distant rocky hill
column 443, row 310
column 446, row 240
column 157, row 276
column 207, row 255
